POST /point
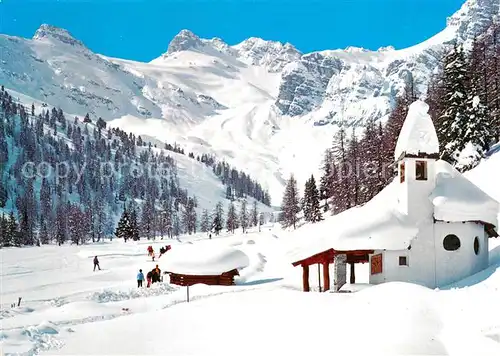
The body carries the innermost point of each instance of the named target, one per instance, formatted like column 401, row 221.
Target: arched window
column 476, row 245
column 451, row 242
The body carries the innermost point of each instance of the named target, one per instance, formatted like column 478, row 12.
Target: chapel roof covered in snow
column 376, row 225
column 455, row 198
column 203, row 259
column 418, row 135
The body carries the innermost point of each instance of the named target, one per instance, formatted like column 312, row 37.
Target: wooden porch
column 324, row 259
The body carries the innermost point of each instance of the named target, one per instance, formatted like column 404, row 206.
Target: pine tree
column 43, row 235
column 354, row 170
column 327, row 180
column 218, row 221
column 232, row 218
column 3, row 193
column 26, row 234
column 477, row 132
column 244, row 216
column 3, row 230
column 310, row 203
column 189, row 217
column 291, row 203
column 134, row 226
column 341, row 197
column 12, row 235
column 147, row 219
column 76, row 225
column 254, row 216
column 124, row 228
column 452, row 124
column 205, row 221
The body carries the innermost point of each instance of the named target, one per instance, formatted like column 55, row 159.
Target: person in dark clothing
column 96, row 263
column 149, row 278
column 140, row 278
column 156, row 274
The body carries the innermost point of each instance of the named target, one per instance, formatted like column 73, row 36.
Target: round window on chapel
column 476, row 245
column 451, row 242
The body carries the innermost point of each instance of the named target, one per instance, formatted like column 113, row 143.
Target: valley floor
column 68, row 309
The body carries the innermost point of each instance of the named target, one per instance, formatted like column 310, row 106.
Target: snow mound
column 204, row 259
column 455, row 198
column 418, row 134
column 410, row 322
column 46, row 327
column 109, row 295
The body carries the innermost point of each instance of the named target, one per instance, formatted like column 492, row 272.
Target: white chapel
column 430, row 226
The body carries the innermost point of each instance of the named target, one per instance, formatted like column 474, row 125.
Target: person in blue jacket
column 140, row 278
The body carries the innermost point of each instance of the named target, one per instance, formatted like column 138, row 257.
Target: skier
column 140, row 278
column 149, row 277
column 96, row 263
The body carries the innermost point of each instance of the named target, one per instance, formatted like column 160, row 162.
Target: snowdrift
column 203, row 259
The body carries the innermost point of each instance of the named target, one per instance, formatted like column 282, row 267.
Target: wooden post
column 187, row 291
column 326, row 275
column 353, row 274
column 319, row 278
column 19, row 302
column 305, row 278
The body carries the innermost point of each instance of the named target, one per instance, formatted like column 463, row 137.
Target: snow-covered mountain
column 263, row 106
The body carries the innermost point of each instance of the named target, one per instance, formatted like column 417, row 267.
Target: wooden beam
column 353, row 273
column 319, row 277
column 305, row 278
column 326, row 275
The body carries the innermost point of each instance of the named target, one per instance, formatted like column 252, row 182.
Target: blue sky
column 141, row 30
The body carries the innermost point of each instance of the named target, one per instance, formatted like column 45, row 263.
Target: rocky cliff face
column 357, row 75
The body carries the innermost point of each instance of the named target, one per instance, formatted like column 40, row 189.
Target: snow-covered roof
column 376, row 225
column 418, row 134
column 203, row 259
column 455, row 198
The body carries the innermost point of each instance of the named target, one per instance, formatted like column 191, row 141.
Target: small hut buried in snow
column 430, row 226
column 201, row 263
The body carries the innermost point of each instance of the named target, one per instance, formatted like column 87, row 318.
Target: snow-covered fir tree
column 205, row 221
column 290, row 205
column 254, row 214
column 124, row 228
column 327, row 180
column 232, row 218
column 189, row 217
column 218, row 219
column 310, row 202
column 452, row 124
column 341, row 199
column 244, row 215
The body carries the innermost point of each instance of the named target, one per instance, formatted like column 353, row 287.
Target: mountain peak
column 473, row 18
column 273, row 54
column 46, row 31
column 183, row 41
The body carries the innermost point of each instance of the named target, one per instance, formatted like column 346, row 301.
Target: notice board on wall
column 376, row 264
